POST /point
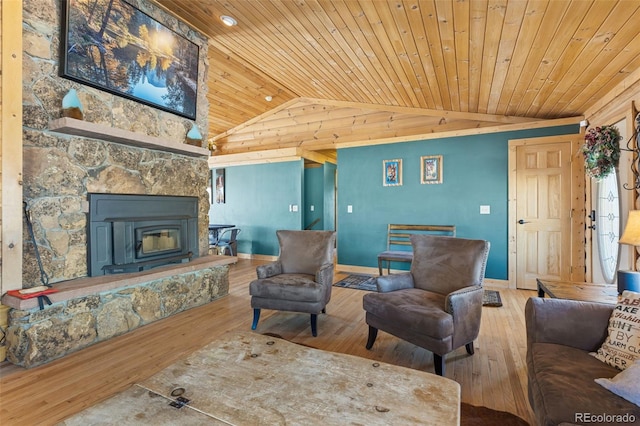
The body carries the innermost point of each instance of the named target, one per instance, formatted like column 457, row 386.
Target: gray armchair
column 438, row 304
column 300, row 280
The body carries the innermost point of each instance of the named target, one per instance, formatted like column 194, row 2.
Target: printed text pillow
column 622, row 346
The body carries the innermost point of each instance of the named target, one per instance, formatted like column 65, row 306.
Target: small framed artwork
column 392, row 172
column 219, row 189
column 210, row 186
column 431, row 169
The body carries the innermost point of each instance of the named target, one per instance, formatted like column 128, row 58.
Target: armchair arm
column 324, row 275
column 581, row 325
column 465, row 306
column 387, row 283
column 269, row 269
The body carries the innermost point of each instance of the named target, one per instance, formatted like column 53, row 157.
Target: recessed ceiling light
column 228, row 21
column 268, row 98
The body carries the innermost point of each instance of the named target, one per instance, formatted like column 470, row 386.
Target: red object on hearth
column 16, row 293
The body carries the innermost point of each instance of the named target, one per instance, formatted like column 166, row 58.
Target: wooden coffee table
column 587, row 292
column 245, row 378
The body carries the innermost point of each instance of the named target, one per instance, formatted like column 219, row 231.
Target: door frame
column 578, row 206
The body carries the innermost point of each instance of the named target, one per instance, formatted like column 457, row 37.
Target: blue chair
column 227, row 241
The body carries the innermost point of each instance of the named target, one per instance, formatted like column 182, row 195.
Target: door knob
column 522, row 221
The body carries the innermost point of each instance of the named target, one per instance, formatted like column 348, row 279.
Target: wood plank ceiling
column 349, row 72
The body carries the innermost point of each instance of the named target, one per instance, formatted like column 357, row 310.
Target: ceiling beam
column 268, row 156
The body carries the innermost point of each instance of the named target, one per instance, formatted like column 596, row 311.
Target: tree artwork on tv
column 111, row 45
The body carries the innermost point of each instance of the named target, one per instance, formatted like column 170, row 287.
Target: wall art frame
column 431, row 169
column 112, row 46
column 220, row 183
column 392, row 172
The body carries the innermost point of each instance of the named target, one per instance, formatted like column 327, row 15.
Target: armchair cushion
column 304, row 252
column 448, row 263
column 294, row 287
column 416, row 310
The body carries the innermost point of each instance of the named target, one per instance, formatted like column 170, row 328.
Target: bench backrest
column 399, row 235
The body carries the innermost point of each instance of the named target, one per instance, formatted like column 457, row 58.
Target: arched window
column 608, row 225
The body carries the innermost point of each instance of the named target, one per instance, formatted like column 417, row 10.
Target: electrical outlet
column 312, row 207
column 349, row 208
column 485, row 209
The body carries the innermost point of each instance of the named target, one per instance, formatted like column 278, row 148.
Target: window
column 608, row 225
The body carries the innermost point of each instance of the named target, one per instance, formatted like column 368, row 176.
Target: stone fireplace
column 122, row 148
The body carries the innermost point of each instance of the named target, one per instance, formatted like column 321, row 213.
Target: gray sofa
column 561, row 373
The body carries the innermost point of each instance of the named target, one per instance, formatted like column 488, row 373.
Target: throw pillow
column 625, row 384
column 622, row 346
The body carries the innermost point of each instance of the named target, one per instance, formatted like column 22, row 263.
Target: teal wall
column 475, row 172
column 329, row 188
column 314, row 196
column 320, row 191
column 257, row 201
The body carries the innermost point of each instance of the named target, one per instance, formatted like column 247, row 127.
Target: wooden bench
column 399, row 236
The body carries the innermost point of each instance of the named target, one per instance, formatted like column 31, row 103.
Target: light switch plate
column 485, row 209
column 295, row 207
column 349, row 208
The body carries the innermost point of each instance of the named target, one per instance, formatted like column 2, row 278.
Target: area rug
column 491, row 298
column 470, row 415
column 367, row 282
column 358, row 282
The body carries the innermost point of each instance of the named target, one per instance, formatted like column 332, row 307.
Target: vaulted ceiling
column 348, row 72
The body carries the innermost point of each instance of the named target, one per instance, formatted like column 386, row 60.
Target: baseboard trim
column 250, row 256
column 494, row 283
column 354, row 269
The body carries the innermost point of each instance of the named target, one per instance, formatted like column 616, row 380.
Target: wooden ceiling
column 349, row 72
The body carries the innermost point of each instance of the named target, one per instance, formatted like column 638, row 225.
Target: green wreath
column 601, row 151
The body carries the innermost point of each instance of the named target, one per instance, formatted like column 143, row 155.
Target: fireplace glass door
column 154, row 241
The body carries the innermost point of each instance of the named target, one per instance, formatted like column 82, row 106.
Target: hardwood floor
column 494, row 377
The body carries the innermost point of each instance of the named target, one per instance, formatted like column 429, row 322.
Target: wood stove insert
column 129, row 233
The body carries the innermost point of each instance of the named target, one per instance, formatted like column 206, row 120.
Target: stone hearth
column 90, row 310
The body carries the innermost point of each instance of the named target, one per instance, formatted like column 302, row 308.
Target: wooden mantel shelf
column 71, row 126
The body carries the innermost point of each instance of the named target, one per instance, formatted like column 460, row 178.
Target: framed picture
column 431, row 169
column 211, row 186
column 112, row 46
column 219, row 189
column 392, row 172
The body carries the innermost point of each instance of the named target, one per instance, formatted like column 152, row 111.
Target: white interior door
column 543, row 210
